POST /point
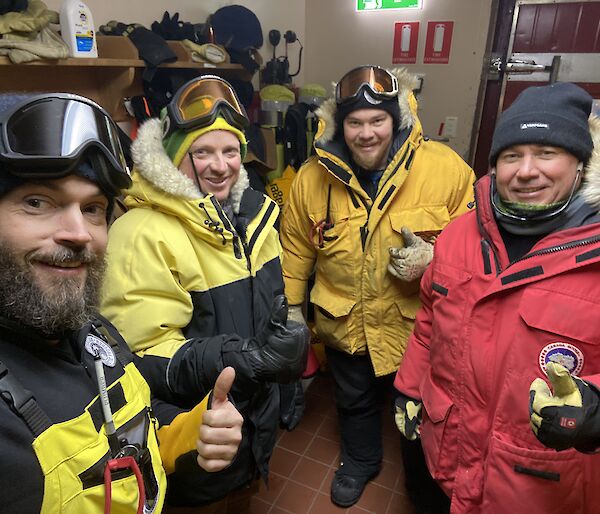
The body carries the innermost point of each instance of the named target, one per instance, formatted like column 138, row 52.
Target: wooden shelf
column 114, row 75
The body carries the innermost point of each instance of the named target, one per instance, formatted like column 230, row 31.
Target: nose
column 73, row 230
column 366, row 131
column 219, row 163
column 527, row 168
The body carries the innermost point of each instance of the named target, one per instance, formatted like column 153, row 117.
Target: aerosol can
column 77, row 29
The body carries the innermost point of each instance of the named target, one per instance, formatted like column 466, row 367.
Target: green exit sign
column 379, row 5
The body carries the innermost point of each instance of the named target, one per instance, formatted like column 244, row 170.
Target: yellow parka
column 359, row 306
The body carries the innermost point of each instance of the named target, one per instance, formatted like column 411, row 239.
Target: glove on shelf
column 569, row 416
column 409, row 263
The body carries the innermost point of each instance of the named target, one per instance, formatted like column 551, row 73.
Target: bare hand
column 220, row 433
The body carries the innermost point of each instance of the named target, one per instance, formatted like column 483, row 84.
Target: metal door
column 548, row 41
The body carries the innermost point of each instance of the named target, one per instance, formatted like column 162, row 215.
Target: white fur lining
column 153, row 163
column 406, row 83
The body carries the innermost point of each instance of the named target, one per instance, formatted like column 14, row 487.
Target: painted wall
column 340, row 38
column 280, row 14
column 336, row 38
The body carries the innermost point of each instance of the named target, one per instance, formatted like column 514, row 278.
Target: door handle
column 526, row 66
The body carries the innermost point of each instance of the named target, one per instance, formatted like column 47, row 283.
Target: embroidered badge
column 97, row 347
column 564, row 354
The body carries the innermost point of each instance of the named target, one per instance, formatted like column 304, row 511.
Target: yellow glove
column 409, row 263
column 408, row 417
column 568, row 417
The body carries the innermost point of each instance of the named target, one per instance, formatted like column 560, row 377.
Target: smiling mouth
column 216, row 181
column 62, row 265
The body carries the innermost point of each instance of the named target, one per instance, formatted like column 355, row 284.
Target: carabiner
column 118, row 464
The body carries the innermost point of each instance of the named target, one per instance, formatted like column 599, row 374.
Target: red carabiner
column 127, row 462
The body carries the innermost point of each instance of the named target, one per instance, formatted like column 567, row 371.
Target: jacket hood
column 154, row 165
column 406, row 100
column 591, row 178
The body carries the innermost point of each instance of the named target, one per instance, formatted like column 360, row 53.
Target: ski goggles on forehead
column 381, row 83
column 198, row 103
column 47, row 136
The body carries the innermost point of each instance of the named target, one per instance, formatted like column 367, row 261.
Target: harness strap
column 22, row 402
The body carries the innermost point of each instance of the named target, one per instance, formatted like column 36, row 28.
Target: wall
column 340, row 38
column 280, row 14
column 337, row 38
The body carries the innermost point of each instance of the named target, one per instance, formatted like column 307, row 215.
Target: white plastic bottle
column 77, row 29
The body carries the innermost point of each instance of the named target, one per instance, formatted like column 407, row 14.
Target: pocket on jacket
column 426, row 222
column 564, row 329
column 331, row 315
column 438, row 432
column 518, row 479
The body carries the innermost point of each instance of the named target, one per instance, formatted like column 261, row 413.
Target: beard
column 63, row 305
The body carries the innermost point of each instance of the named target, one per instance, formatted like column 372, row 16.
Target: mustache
column 64, row 256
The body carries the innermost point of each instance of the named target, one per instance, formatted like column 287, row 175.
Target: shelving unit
column 114, row 75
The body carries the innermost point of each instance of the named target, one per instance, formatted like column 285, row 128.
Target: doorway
column 536, row 42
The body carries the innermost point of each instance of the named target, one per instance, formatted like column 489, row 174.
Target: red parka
column 484, row 333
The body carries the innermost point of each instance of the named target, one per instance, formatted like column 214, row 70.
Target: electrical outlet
column 450, row 126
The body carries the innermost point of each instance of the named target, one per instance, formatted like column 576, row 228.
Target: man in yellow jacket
column 362, row 215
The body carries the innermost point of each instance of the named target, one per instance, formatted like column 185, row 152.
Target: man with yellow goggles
column 195, row 284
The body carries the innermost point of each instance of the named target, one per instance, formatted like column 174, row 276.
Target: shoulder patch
column 98, row 347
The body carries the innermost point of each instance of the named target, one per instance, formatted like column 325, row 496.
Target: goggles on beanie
column 199, row 102
column 381, row 84
column 48, row 136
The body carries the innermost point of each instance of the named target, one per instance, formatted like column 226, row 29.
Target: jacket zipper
column 557, row 248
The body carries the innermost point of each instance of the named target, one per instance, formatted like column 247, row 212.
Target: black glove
column 567, row 418
column 291, row 405
column 278, row 353
column 408, row 416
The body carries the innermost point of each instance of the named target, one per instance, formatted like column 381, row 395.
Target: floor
column 305, row 459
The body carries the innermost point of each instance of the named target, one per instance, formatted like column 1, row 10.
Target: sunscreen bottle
column 77, row 29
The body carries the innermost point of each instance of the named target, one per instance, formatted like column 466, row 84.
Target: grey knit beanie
column 554, row 115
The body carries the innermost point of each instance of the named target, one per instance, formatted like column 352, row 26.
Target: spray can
column 77, row 29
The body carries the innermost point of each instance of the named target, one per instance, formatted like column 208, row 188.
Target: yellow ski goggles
column 200, row 101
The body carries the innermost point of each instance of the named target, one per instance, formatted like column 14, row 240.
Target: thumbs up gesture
column 409, row 263
column 220, row 433
column 567, row 417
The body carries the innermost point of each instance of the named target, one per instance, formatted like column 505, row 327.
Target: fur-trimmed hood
column 591, row 178
column 406, row 100
column 154, row 165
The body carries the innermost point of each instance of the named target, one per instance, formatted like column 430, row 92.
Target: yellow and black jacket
column 54, row 454
column 184, row 281
column 360, row 307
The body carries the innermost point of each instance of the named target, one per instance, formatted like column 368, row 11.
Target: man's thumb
column 408, row 236
column 222, row 387
column 562, row 382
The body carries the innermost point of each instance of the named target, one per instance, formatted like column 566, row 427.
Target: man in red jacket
column 509, row 303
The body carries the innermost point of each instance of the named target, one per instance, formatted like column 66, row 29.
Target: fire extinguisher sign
column 406, row 38
column 438, row 42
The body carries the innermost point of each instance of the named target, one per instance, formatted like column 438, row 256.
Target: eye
column 96, row 211
column 508, row 156
column 36, row 204
column 548, row 152
column 199, row 153
column 232, row 152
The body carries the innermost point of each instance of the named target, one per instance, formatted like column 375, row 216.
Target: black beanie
column 554, row 115
column 365, row 101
